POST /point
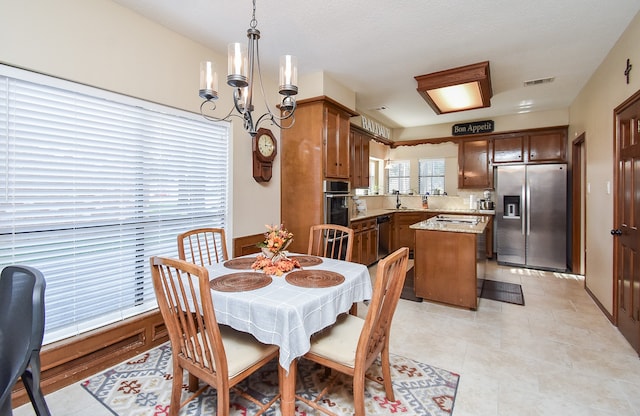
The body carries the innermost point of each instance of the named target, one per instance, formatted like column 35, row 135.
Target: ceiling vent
column 538, row 81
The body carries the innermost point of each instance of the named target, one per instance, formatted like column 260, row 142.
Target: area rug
column 142, row 386
column 502, row 292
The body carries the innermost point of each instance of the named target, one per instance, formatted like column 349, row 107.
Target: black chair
column 21, row 332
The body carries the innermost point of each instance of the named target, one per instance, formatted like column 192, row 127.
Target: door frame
column 578, row 206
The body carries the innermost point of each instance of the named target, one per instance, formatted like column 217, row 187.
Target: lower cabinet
column 403, row 236
column 489, row 235
column 448, row 266
column 365, row 241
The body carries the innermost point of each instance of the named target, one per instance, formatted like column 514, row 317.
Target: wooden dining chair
column 218, row 355
column 353, row 344
column 203, row 246
column 331, row 240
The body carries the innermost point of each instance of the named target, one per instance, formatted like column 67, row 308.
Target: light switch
column 588, row 187
column 608, row 187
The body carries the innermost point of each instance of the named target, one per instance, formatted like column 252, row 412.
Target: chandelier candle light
column 242, row 62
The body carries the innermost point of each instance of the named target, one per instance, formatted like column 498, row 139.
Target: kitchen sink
column 457, row 219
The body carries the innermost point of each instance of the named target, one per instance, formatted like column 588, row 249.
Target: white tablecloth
column 286, row 315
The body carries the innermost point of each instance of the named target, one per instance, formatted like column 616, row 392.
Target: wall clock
column 265, row 149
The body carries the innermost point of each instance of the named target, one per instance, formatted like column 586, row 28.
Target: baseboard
column 68, row 361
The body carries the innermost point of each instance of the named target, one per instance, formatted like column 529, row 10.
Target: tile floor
column 558, row 355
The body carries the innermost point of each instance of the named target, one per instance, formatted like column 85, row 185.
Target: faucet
column 398, row 199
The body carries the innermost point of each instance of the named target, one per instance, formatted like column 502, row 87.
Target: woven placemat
column 307, row 261
column 242, row 263
column 314, row 278
column 240, row 282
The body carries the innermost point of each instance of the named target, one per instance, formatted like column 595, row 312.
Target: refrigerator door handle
column 528, row 205
column 522, row 218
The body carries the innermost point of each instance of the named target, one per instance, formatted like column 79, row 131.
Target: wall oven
column 336, row 202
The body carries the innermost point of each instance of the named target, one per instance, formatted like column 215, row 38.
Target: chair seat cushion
column 242, row 349
column 339, row 342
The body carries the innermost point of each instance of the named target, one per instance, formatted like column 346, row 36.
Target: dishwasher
column 384, row 235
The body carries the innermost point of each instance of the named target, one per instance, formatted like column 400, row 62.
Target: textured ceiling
column 376, row 47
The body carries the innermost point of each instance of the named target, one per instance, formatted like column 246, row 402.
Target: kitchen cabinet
column 403, row 236
column 509, row 149
column 539, row 146
column 359, row 144
column 488, row 234
column 448, row 266
column 548, row 147
column 365, row 241
column 336, row 144
column 315, row 142
column 473, row 164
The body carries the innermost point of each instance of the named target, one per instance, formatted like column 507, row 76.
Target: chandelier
column 242, row 63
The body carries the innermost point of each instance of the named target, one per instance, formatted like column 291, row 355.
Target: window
column 94, row 183
column 398, row 176
column 431, row 176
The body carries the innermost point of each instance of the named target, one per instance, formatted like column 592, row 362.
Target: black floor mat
column 408, row 291
column 502, row 292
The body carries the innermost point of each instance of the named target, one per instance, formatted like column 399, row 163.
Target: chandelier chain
column 254, row 22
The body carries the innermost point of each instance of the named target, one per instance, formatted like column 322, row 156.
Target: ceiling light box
column 458, row 89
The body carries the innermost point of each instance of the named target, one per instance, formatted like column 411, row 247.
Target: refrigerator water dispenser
column 511, row 206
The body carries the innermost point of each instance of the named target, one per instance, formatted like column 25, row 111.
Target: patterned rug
column 142, row 386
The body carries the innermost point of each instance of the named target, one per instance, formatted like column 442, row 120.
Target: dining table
column 286, row 310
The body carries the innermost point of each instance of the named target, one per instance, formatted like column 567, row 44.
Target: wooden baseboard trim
column 71, row 360
column 602, row 308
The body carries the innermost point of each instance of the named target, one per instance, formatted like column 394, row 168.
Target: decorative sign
column 376, row 128
column 474, row 127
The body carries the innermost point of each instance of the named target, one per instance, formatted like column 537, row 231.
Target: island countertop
column 473, row 224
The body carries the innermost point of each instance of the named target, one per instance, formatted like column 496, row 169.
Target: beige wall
column 592, row 114
column 100, row 43
column 502, row 123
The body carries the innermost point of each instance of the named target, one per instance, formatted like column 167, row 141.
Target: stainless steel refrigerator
column 531, row 216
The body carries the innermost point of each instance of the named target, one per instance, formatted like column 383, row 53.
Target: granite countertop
column 472, row 224
column 372, row 213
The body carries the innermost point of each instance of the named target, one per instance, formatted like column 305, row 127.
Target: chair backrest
column 389, row 281
column 203, row 246
column 331, row 240
column 184, row 300
column 21, row 322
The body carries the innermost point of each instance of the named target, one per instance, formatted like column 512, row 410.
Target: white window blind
column 92, row 184
column 431, row 175
column 398, row 176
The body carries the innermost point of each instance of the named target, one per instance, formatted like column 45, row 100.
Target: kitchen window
column 431, row 176
column 398, row 176
column 92, row 184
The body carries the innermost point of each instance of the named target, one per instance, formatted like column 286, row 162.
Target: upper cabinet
column 539, row 146
column 336, row 142
column 548, row 146
column 509, row 149
column 473, row 164
column 359, row 143
column 477, row 156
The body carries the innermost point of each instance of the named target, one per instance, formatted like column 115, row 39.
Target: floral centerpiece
column 273, row 259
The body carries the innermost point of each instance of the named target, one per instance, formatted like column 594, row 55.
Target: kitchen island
column 450, row 257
